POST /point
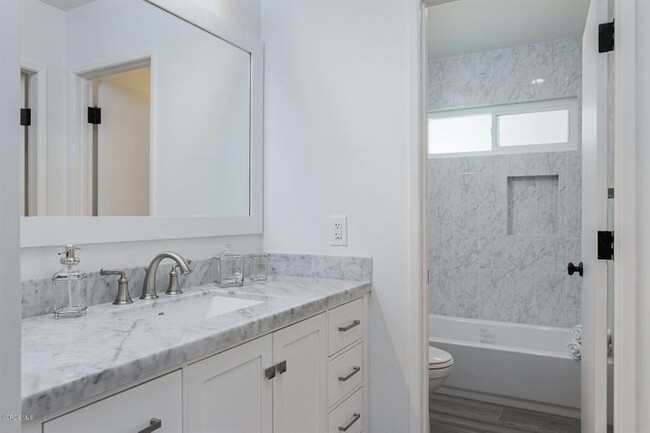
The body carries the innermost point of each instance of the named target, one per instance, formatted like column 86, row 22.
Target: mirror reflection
column 122, row 117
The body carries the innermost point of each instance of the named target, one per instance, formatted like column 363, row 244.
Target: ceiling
column 66, row 5
column 471, row 26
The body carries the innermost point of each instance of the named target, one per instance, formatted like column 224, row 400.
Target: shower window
column 516, row 128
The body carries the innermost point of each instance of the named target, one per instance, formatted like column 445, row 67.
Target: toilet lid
column 438, row 358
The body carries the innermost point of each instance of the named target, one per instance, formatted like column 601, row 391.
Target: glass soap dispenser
column 70, row 286
column 230, row 268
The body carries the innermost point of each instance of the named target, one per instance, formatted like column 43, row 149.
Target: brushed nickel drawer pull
column 350, row 326
column 269, row 373
column 354, row 419
column 347, row 377
column 281, row 367
column 154, row 424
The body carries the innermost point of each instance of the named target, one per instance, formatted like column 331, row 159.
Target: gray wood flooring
column 459, row 415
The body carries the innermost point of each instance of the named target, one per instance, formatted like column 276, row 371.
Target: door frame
column 38, row 99
column 80, row 97
column 625, row 247
column 418, row 367
column 625, row 243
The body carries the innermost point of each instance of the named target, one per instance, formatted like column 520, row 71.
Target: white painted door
column 594, row 218
column 157, row 401
column 229, row 393
column 300, row 392
column 123, row 157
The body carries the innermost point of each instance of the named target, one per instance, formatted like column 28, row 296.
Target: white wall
column 42, row 262
column 643, row 213
column 337, row 143
column 9, row 212
column 243, row 12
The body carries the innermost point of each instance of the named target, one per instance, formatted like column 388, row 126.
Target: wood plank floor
column 458, row 415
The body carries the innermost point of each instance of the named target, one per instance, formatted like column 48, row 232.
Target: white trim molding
column 418, row 382
column 625, row 221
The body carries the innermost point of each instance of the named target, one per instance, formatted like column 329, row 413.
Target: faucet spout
column 149, row 286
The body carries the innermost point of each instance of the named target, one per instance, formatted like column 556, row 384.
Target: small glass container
column 70, row 287
column 259, row 267
column 230, row 268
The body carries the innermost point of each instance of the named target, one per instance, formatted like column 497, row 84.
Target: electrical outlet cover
column 339, row 230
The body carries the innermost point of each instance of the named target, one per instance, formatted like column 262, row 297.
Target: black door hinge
column 605, row 245
column 606, row 37
column 94, row 115
column 25, row 116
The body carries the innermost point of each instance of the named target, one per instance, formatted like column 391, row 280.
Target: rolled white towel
column 575, row 350
column 577, row 333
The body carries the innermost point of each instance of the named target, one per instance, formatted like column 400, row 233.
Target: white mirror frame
column 49, row 231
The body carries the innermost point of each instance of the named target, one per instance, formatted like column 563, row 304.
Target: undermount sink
column 189, row 309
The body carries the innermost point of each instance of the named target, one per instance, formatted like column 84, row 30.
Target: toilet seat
column 439, row 359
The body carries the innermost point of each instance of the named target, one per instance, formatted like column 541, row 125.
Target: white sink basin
column 190, row 309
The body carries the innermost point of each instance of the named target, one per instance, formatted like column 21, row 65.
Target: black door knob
column 573, row 268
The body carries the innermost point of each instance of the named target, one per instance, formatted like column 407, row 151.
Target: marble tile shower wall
column 502, row 228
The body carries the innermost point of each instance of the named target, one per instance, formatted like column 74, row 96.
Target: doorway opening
column 513, row 159
column 117, row 104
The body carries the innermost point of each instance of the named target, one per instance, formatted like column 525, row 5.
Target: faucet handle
column 174, row 287
column 123, row 296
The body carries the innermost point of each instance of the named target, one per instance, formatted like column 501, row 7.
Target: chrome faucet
column 149, row 286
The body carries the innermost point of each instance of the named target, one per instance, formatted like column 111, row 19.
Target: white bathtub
column 506, row 363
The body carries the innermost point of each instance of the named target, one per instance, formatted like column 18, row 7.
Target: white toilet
column 441, row 365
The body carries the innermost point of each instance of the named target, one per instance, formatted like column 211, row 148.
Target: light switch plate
column 339, row 230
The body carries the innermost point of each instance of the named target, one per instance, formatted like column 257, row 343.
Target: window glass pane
column 460, row 134
column 544, row 127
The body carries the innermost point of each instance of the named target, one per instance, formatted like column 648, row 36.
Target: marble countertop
column 67, row 361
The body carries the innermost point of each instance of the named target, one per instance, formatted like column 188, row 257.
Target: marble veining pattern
column 37, row 293
column 319, row 266
column 506, row 75
column 502, row 228
column 68, row 361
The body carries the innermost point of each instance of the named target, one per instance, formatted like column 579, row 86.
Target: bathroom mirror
column 135, row 113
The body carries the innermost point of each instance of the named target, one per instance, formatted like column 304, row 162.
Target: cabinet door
column 133, row 410
column 229, row 393
column 300, row 391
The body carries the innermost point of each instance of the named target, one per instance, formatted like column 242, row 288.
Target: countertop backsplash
column 37, row 293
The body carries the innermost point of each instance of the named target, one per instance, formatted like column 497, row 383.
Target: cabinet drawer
column 344, row 374
column 345, row 325
column 129, row 411
column 348, row 417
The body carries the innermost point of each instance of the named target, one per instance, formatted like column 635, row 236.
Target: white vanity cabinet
column 300, row 387
column 346, row 368
column 139, row 409
column 273, row 384
column 298, row 379
column 229, row 392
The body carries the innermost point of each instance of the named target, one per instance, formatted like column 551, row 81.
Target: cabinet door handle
column 350, row 326
column 154, row 424
column 347, row 377
column 282, row 367
column 350, row 423
column 269, row 373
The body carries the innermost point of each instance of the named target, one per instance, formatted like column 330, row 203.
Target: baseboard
column 512, row 402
